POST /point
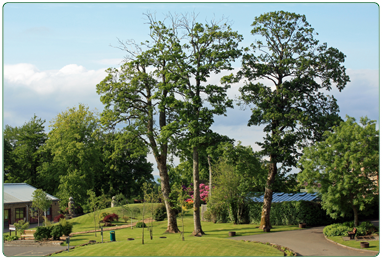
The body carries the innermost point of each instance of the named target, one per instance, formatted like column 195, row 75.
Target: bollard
column 102, row 234
column 68, row 241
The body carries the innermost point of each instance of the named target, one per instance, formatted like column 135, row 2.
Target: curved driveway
column 306, row 242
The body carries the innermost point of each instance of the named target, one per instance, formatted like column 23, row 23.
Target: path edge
column 376, row 252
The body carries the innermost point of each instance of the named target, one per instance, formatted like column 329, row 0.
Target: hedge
column 291, row 213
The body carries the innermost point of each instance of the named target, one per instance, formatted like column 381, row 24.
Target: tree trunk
column 210, row 183
column 355, row 211
column 172, row 226
column 197, row 223
column 266, row 212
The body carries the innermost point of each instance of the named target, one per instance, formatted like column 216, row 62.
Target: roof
column 20, row 192
column 280, row 197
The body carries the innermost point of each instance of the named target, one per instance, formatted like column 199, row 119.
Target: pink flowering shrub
column 203, row 189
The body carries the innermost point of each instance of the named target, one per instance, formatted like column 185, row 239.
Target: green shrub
column 10, row 238
column 125, row 218
column 160, row 212
column 349, row 224
column 365, row 228
column 67, row 227
column 42, row 233
column 336, row 230
column 21, row 226
column 57, row 231
column 140, row 225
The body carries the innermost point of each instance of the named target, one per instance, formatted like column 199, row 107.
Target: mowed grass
column 373, row 245
column 214, row 243
column 192, row 246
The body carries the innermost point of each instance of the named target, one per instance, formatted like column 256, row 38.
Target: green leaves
column 345, row 165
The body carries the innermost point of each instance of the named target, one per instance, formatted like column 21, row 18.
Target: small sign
column 12, row 227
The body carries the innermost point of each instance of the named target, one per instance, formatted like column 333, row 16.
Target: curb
column 376, row 252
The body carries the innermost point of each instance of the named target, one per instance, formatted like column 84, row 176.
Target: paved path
column 306, row 242
column 31, row 250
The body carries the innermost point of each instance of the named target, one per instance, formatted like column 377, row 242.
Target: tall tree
column 21, row 156
column 292, row 107
column 73, row 143
column 345, row 165
column 137, row 97
column 195, row 51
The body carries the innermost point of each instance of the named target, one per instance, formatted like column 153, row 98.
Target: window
column 19, row 213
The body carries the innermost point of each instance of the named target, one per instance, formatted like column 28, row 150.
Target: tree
column 195, row 51
column 95, row 204
column 21, row 152
column 293, row 109
column 139, row 98
column 74, row 147
column 345, row 164
column 40, row 201
column 238, row 175
column 122, row 172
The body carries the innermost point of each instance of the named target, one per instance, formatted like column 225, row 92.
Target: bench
column 351, row 234
column 28, row 234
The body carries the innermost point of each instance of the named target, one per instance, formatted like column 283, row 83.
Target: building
column 18, row 203
column 281, row 197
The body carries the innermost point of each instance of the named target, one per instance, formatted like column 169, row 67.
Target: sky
column 54, row 54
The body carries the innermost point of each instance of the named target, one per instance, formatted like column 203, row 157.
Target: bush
column 21, row 226
column 365, row 228
column 67, row 227
column 336, row 230
column 10, row 238
column 160, row 212
column 125, row 218
column 111, row 217
column 141, row 225
column 43, row 233
column 58, row 217
column 57, row 231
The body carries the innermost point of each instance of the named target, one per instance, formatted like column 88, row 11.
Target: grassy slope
column 373, row 245
column 212, row 244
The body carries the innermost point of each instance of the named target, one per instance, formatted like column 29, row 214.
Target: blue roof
column 281, row 196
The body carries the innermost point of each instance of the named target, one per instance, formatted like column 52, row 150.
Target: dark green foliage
column 160, row 212
column 140, row 225
column 43, row 233
column 21, row 152
column 57, row 231
column 292, row 213
column 67, row 227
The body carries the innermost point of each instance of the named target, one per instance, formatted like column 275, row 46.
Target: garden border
column 363, row 250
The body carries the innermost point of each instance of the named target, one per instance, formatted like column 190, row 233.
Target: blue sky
column 55, row 54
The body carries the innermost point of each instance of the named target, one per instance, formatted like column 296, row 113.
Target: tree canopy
column 21, row 156
column 344, row 167
column 291, row 105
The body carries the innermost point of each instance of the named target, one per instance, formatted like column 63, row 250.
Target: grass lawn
column 214, row 243
column 373, row 245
